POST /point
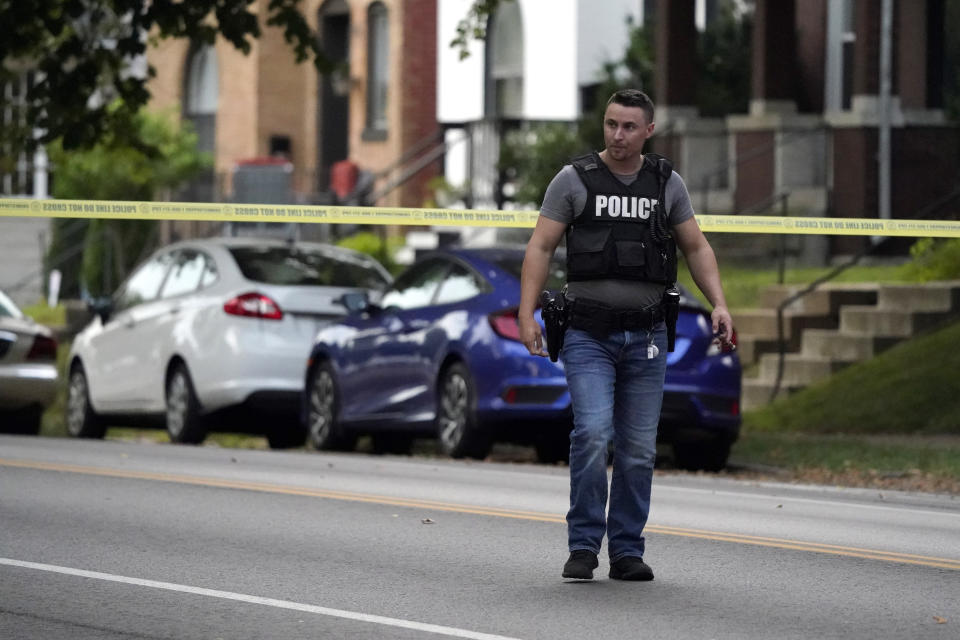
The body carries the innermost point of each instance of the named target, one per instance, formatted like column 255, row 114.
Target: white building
column 538, row 58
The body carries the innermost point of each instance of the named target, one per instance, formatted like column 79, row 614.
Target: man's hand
column 531, row 335
column 722, row 328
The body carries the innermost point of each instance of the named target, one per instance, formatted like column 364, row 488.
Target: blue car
column 440, row 356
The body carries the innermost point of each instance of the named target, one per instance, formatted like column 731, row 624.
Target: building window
column 504, row 96
column 203, row 93
column 201, row 99
column 378, row 70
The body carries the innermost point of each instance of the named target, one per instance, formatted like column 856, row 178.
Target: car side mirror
column 102, row 307
column 355, row 301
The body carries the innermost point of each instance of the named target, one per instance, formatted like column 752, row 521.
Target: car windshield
column 297, row 266
column 556, row 276
column 7, row 308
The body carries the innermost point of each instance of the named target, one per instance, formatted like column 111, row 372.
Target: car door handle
column 174, row 311
column 417, row 325
column 129, row 323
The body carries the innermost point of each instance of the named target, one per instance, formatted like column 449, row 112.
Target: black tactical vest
column 622, row 233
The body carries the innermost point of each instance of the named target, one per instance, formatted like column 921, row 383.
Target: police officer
column 624, row 214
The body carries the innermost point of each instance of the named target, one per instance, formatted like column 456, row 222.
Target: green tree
column 81, row 50
column 152, row 155
column 81, row 53
column 723, row 50
column 473, row 26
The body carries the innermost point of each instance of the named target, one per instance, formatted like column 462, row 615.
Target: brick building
column 816, row 116
column 818, row 112
column 377, row 110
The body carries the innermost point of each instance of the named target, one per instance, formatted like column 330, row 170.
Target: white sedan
column 212, row 333
column 28, row 370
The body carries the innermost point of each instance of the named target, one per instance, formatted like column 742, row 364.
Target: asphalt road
column 112, row 540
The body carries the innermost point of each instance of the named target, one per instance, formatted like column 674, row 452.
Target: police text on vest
column 624, row 206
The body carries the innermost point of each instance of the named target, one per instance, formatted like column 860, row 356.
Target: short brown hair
column 633, row 98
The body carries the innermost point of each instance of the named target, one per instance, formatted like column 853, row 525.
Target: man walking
column 624, row 215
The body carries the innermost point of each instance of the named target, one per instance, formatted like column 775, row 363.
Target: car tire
column 399, row 444
column 287, row 435
column 82, row 421
column 702, row 456
column 323, row 431
column 185, row 424
column 459, row 433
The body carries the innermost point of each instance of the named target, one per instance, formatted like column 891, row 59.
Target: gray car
column 28, row 370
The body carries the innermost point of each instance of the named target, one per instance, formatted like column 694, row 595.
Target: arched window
column 504, row 97
column 378, row 70
column 202, row 94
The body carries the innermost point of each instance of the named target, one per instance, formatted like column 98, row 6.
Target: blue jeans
column 616, row 391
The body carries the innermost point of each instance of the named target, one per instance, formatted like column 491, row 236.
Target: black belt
column 601, row 319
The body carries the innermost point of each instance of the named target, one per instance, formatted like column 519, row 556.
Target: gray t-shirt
column 566, row 198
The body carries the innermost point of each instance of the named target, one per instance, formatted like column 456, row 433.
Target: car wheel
column 706, row 456
column 185, row 425
column 287, row 435
column 458, row 431
column 323, row 432
column 82, row 420
column 399, row 444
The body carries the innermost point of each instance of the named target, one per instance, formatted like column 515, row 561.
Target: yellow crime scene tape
column 220, row 212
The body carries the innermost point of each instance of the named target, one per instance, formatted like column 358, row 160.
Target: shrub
column 934, row 259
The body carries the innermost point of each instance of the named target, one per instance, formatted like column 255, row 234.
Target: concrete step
column 891, row 322
column 762, row 323
column 798, row 370
column 931, row 296
column 846, row 347
column 826, row 299
column 856, row 323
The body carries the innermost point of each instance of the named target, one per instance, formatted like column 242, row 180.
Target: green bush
column 151, row 155
column 377, row 246
column 934, row 259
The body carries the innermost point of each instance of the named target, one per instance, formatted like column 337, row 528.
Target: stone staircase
column 835, row 326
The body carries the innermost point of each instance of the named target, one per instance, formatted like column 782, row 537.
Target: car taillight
column 253, row 305
column 44, row 348
column 504, row 323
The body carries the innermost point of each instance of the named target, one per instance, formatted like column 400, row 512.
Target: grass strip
column 911, row 388
column 909, row 463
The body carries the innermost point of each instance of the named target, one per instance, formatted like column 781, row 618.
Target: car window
column 144, row 284
column 416, row 286
column 460, row 284
column 185, row 273
column 298, row 266
column 210, row 273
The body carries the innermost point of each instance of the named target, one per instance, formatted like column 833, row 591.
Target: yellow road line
column 718, row 536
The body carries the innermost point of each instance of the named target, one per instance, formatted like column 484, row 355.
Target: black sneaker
column 580, row 565
column 630, row 568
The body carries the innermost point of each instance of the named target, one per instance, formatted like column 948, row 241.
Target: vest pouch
column 631, row 254
column 585, row 249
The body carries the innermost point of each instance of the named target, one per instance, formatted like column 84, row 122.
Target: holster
column 671, row 311
column 554, row 313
